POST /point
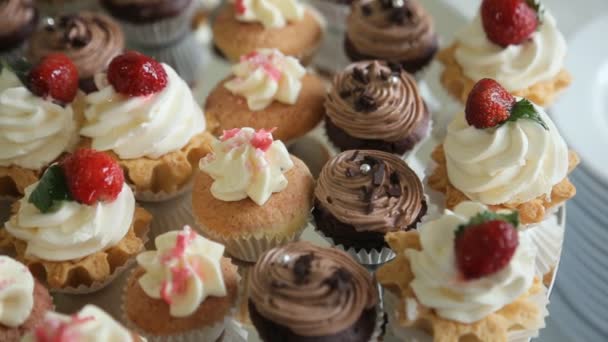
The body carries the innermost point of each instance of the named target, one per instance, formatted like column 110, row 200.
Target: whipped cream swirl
column 16, row 292
column 72, row 230
column 516, row 67
column 266, row 75
column 33, row 131
column 270, row 13
column 247, row 163
column 438, row 284
column 513, row 163
column 142, row 126
column 91, row 324
column 183, row 271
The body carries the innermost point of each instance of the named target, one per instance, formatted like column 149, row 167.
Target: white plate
column 582, row 112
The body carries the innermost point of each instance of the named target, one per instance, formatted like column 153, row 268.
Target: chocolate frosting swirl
column 391, row 29
column 374, row 191
column 313, row 291
column 15, row 14
column 91, row 40
column 375, row 100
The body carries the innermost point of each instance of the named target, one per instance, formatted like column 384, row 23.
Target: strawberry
column 485, row 248
column 56, row 77
column 508, row 22
column 92, row 176
column 134, row 74
column 488, row 104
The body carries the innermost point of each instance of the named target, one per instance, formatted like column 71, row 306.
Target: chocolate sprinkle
column 301, row 268
column 365, row 103
column 338, row 280
column 378, row 176
column 359, row 76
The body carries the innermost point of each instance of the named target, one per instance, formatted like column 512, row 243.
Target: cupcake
column 89, row 39
column 251, row 195
column 183, row 291
column 38, row 120
column 267, row 89
column 89, row 324
column 399, row 31
column 247, row 25
column 361, row 196
column 152, row 23
column 51, row 8
column 19, row 19
column 23, row 300
column 301, row 292
column 375, row 105
column 468, row 275
column 79, row 225
column 144, row 116
column 504, row 152
column 520, row 47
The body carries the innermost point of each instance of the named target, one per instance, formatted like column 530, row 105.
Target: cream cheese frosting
column 33, row 131
column 247, row 163
column 516, row 67
column 91, row 324
column 512, row 163
column 266, row 75
column 437, row 282
column 16, row 292
column 72, row 230
column 270, row 13
column 183, row 271
column 143, row 126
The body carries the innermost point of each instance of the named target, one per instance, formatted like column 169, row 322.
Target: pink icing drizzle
column 58, row 331
column 265, row 62
column 179, row 274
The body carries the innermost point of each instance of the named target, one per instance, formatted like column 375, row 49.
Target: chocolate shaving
column 359, row 76
column 366, row 193
column 301, row 268
column 339, row 279
column 394, row 191
column 278, row 284
column 371, row 161
column 365, row 103
column 345, row 94
column 384, row 75
column 378, row 176
column 397, row 16
column 395, row 67
column 366, row 10
column 350, row 172
column 355, row 155
column 395, row 178
column 386, row 4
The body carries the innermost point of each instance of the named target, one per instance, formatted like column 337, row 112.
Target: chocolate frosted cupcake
column 152, row 22
column 91, row 40
column 362, row 195
column 375, row 105
column 19, row 18
column 399, row 31
column 301, row 292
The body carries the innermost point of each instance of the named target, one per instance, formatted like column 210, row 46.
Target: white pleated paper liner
column 417, row 335
column 187, row 56
column 548, row 237
column 170, row 215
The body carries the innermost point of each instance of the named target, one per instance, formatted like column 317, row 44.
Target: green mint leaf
column 51, row 189
column 539, row 9
column 485, row 216
column 524, row 109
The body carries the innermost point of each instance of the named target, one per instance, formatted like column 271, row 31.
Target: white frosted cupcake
column 469, row 273
column 504, row 152
column 79, row 225
column 144, row 116
column 522, row 49
column 87, row 325
column 185, row 290
column 35, row 128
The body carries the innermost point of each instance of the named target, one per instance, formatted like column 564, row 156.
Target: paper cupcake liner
column 159, row 33
column 418, row 335
column 369, row 258
column 187, row 56
column 548, row 238
column 249, row 247
column 170, row 215
column 149, row 196
column 224, row 330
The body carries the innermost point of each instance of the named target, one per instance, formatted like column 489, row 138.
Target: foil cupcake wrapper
column 248, row 247
column 100, row 285
column 187, row 57
column 379, row 326
column 371, row 258
column 227, row 329
column 170, row 215
column 418, row 335
column 159, row 33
